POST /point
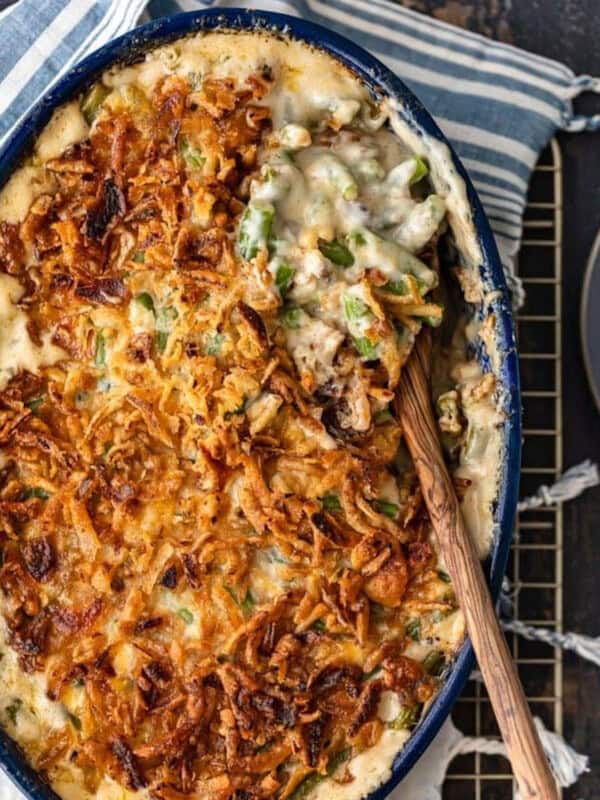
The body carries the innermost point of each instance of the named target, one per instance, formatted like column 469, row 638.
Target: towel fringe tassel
column 571, row 484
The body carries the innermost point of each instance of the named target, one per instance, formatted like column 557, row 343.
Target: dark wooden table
column 569, row 31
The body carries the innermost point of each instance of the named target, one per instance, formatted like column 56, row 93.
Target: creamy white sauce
column 21, row 189
column 389, row 706
column 34, row 715
column 141, row 318
column 369, row 769
column 479, row 456
column 450, row 631
column 66, row 127
column 313, row 345
column 17, row 350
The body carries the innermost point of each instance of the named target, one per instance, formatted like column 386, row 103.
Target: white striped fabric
column 498, row 105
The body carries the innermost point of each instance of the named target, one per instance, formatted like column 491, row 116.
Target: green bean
column 356, row 238
column 161, row 338
column 294, row 136
column 91, row 103
column 166, row 314
column 383, row 416
column 407, row 173
column 433, row 663
column 146, row 301
column 236, row 411
column 305, row 788
column 431, row 322
column 370, row 170
column 336, row 252
column 420, row 171
column 214, row 344
column 276, row 183
column 387, row 509
column 264, row 748
column 74, row 720
column 283, row 278
column 337, row 759
column 420, row 225
column 100, row 354
column 186, row 615
column 318, row 211
column 391, row 258
column 292, row 317
column 397, row 287
column 308, row 784
column 402, row 287
column 35, row 403
column 331, row 170
column 135, row 98
column 475, row 445
column 255, row 229
column 355, row 308
column 331, row 502
column 13, row 709
column 367, row 349
column 407, row 718
column 372, row 673
column 413, row 629
column 438, row 616
column 191, row 155
column 35, row 491
column 246, row 605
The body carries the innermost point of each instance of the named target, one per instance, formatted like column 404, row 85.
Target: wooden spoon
column 413, row 405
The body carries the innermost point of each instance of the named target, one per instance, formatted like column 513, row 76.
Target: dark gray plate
column 590, row 320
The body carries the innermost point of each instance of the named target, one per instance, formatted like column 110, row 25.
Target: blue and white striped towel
column 498, row 105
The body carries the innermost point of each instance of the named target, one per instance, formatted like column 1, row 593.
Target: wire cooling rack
column 535, row 567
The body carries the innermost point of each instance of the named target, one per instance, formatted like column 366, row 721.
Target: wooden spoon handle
column 534, row 778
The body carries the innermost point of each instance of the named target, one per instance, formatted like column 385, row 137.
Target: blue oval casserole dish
column 382, row 82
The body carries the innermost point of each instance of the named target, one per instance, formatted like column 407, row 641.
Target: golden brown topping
column 11, row 249
column 388, row 583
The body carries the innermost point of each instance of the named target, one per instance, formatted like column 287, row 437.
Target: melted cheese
column 17, row 350
column 19, row 192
